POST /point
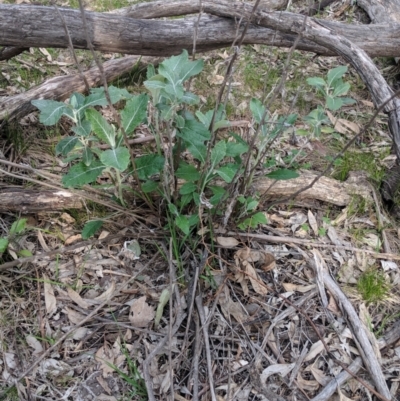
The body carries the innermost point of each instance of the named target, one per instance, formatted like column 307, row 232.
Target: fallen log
column 39, row 26
column 325, row 190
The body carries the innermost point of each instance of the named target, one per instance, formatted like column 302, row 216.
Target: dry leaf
column 312, row 221
column 141, row 313
column 307, row 385
column 35, row 344
column 296, row 287
column 103, row 384
column 343, row 126
column 72, row 239
column 227, row 242
column 79, row 333
column 106, row 294
column 256, row 282
column 333, row 306
column 49, row 297
column 281, row 368
column 315, row 350
column 54, row 367
column 77, row 298
column 320, row 376
column 105, row 357
column 230, row 308
column 74, row 316
column 268, row 262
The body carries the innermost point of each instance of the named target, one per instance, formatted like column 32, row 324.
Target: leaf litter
column 271, row 325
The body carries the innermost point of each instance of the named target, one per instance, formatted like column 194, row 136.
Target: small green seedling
column 373, row 286
column 7, row 243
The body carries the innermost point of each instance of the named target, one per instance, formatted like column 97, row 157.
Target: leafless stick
column 204, row 324
column 72, row 50
column 299, row 241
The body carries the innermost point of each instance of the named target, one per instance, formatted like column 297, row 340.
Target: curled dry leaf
column 307, row 385
column 268, row 262
column 106, row 294
column 255, row 280
column 77, row 298
column 34, row 343
column 105, row 357
column 141, row 313
column 49, row 297
column 54, row 367
column 312, row 221
column 230, row 308
column 281, row 368
column 227, row 242
column 295, row 287
column 74, row 316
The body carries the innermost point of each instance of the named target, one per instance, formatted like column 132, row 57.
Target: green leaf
column 117, row 158
column 282, row 174
column 83, row 129
column 3, row 245
column 218, row 153
column 179, row 121
column 150, row 71
column 334, row 103
column 188, row 188
column 155, row 83
column 183, row 223
column 80, row 174
column 87, row 156
column 148, row 165
column 66, row 145
column 172, row 65
column 190, row 98
column 228, row 172
column 101, row 127
column 253, row 221
column 173, row 210
column 50, row 110
column 194, row 135
column 90, row 228
column 134, row 112
column 187, row 172
column 251, row 205
column 218, row 194
column 97, row 96
column 191, row 68
column 24, row 253
column 341, row 89
column 76, row 100
column 18, row 226
column 348, row 100
column 164, row 298
column 176, row 89
column 317, row 82
column 336, row 73
column 234, row 149
column 185, row 200
column 257, row 110
column 149, row 186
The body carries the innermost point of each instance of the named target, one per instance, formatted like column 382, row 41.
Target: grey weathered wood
column 60, row 88
column 39, row 26
column 33, row 201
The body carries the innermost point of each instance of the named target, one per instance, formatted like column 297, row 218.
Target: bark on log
column 325, row 189
column 60, row 88
column 31, row 201
column 39, row 26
